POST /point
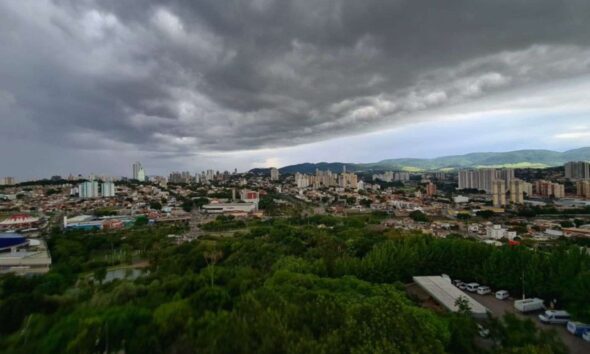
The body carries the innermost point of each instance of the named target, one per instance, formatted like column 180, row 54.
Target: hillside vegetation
column 512, row 159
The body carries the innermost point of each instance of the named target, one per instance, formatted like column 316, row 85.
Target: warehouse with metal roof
column 446, row 294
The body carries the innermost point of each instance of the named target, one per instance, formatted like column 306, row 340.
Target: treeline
column 224, row 223
column 550, row 210
column 562, row 273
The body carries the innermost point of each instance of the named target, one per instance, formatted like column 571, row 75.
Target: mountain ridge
column 531, row 158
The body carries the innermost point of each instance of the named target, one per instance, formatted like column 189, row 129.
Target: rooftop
column 447, row 294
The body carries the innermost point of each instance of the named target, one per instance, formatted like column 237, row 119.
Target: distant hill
column 514, row 159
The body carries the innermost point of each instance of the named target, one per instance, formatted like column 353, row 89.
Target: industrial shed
column 446, row 294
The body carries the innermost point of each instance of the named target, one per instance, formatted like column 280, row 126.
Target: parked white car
column 586, row 336
column 484, row 290
column 472, row 287
column 502, row 295
column 555, row 317
column 462, row 286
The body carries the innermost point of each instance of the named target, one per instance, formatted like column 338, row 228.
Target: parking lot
column 498, row 308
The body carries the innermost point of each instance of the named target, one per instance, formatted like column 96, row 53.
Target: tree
column 187, row 205
column 212, row 257
column 418, row 216
column 351, row 200
column 523, row 336
column 463, row 216
column 156, row 205
column 199, row 202
column 486, row 214
column 100, row 274
column 268, row 204
column 141, row 220
column 463, row 306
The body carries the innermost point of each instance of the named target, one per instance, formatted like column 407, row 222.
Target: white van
column 484, row 290
column 528, row 305
column 577, row 328
column 502, row 294
column 472, row 287
column 555, row 317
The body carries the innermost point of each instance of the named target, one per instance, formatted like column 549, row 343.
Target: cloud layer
column 182, row 77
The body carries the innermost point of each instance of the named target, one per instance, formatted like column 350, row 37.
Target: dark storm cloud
column 183, row 76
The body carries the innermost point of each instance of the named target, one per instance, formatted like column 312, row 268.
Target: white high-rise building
column 88, row 189
column 390, row 176
column 210, row 175
column 138, row 172
column 301, row 180
column 274, row 174
column 108, row 189
column 477, row 179
column 482, row 179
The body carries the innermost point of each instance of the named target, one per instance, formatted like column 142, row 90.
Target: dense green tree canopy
column 321, row 284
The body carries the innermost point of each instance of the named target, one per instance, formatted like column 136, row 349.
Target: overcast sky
column 91, row 86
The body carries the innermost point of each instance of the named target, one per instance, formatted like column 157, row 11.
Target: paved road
column 498, row 308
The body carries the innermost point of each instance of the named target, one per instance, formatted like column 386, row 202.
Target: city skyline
column 136, row 168
column 94, row 85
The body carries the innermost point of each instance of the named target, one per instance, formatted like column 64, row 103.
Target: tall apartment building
column 107, row 189
column 180, row 177
column 187, row 177
column 506, row 174
column 348, row 180
column 583, row 189
column 482, row 179
column 274, row 174
column 301, row 180
column 549, row 189
column 138, row 172
column 391, row 176
column 441, row 176
column 323, row 179
column 517, row 191
column 528, row 189
column 7, row 181
column 89, row 189
column 175, row 177
column 466, row 179
column 210, row 175
column 431, row 189
column 401, row 176
column 499, row 193
column 577, row 170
